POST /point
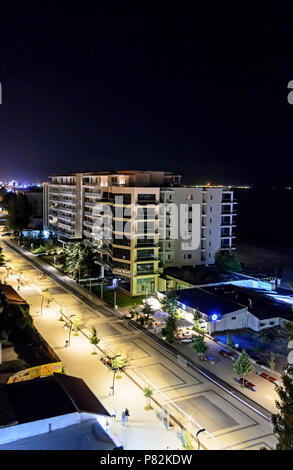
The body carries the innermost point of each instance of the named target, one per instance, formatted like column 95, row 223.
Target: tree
column 19, row 212
column 227, row 262
column 94, row 339
column 76, row 323
column 170, row 302
column 2, row 257
column 170, row 328
column 200, row 345
column 289, row 329
column 272, row 361
column 79, row 260
column 148, row 393
column 133, row 312
column 243, row 365
column 230, row 340
column 283, row 421
column 147, row 310
column 117, row 363
column 197, row 319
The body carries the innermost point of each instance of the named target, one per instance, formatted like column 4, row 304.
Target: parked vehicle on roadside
column 246, row 383
column 204, row 357
column 269, row 378
column 227, row 354
column 185, row 340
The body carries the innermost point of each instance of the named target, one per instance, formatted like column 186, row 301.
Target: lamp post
column 198, row 432
column 69, row 325
column 114, row 375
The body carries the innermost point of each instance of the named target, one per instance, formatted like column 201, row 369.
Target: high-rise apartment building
column 127, row 217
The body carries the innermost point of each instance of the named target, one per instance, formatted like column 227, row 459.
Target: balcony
column 96, row 195
column 67, row 201
column 147, row 202
column 149, row 244
column 147, row 258
column 145, row 273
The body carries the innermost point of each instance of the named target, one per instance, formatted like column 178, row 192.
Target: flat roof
column 207, row 302
column 201, row 275
column 259, row 302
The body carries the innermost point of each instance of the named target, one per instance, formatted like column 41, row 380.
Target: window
column 233, row 318
column 189, row 256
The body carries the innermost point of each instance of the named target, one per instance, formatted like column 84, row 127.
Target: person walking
column 126, row 413
column 123, row 418
column 113, row 414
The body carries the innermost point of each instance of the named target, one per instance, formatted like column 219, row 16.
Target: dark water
column 265, row 216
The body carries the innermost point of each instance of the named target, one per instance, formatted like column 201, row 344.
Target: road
column 188, row 393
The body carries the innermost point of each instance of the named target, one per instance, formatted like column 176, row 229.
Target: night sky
column 89, row 86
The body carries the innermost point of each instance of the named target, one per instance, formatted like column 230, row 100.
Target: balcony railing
column 147, row 202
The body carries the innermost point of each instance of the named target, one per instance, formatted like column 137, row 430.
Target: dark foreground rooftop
column 83, row 436
column 46, row 397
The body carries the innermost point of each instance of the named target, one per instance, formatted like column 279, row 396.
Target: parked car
column 227, row 354
column 204, row 357
column 246, row 383
column 269, row 378
column 184, row 340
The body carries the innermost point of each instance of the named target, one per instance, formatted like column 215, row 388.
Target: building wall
column 213, row 224
column 65, row 207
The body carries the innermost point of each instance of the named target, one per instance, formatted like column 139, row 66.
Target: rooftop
column 61, row 393
column 262, row 304
column 83, row 436
column 207, row 302
column 201, row 275
column 11, row 295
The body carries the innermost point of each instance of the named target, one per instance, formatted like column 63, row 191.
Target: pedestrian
column 113, row 413
column 126, row 415
column 123, row 418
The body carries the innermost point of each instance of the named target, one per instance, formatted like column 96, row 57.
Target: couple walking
column 124, row 417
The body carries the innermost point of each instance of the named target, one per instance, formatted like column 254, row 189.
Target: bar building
column 126, row 217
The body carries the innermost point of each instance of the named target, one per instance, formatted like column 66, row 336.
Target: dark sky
column 201, row 90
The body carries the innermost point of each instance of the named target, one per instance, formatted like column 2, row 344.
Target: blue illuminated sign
column 215, row 317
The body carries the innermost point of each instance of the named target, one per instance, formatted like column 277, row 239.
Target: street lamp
column 69, row 325
column 198, row 432
column 114, row 375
